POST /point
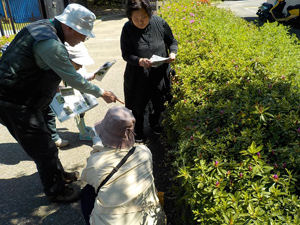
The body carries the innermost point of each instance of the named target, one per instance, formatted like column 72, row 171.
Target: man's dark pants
column 50, row 120
column 27, row 126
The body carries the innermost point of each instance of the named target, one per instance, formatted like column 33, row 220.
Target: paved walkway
column 246, row 8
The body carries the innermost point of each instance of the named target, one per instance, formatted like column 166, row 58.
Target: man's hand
column 110, row 97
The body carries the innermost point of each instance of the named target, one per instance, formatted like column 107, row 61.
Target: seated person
column 129, row 197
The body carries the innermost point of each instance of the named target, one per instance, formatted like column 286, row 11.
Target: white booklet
column 157, row 60
column 69, row 102
column 100, row 73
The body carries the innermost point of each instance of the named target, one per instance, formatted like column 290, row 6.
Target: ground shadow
column 113, row 17
column 162, row 172
column 293, row 30
column 12, row 154
column 255, row 20
column 73, row 138
column 107, row 11
column 22, row 201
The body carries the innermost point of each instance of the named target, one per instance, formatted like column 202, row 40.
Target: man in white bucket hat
column 79, row 19
column 31, row 69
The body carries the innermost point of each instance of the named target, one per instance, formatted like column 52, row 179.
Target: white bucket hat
column 78, row 18
column 79, row 54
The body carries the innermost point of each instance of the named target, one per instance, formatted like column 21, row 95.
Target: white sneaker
column 61, row 143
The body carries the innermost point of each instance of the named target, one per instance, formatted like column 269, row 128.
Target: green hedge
column 4, row 40
column 234, row 120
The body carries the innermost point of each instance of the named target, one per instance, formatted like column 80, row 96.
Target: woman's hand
column 144, row 62
column 172, row 57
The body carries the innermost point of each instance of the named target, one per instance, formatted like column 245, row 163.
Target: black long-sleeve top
column 143, row 43
column 157, row 38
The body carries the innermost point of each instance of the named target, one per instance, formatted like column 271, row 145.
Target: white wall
column 288, row 3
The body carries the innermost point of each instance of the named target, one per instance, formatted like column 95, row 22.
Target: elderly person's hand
column 144, row 62
column 172, row 57
column 110, row 97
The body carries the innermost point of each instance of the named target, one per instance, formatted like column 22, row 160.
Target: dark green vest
column 22, row 82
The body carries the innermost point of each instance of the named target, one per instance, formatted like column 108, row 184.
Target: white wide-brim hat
column 79, row 54
column 78, row 18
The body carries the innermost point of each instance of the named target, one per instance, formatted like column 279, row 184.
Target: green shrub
column 4, row 40
column 234, row 119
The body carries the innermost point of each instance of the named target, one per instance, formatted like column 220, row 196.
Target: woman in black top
column 142, row 36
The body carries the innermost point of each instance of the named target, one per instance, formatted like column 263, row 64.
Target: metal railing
column 14, row 15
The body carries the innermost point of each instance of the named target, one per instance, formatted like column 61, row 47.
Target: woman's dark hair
column 133, row 5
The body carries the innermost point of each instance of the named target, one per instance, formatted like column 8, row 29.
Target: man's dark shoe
column 71, row 177
column 70, row 194
column 157, row 129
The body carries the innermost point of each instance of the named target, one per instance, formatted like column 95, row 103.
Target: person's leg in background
column 50, row 120
column 85, row 133
column 139, row 127
column 136, row 99
column 156, row 107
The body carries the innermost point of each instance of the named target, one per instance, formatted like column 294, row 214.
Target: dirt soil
column 161, row 160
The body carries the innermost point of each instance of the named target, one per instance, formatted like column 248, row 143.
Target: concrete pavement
column 246, row 8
